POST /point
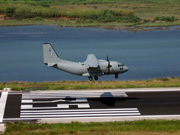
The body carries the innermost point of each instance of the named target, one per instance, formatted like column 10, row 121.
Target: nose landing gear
column 90, row 78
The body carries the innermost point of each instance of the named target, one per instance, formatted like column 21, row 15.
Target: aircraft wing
column 91, row 61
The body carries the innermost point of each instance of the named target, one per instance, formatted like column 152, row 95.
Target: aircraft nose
column 125, row 68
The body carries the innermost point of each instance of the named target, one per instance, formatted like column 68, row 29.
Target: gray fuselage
column 81, row 69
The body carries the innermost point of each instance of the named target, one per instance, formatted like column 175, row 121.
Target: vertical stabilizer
column 50, row 56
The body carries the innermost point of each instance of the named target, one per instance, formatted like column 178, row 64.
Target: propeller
column 109, row 65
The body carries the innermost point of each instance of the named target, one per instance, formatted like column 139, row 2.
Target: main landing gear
column 116, row 76
column 91, row 78
column 96, row 78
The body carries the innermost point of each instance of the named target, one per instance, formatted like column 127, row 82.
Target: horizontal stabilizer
column 51, row 64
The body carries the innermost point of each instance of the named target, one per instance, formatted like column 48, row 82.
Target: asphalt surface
column 26, row 107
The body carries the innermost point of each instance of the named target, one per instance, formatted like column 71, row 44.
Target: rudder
column 49, row 55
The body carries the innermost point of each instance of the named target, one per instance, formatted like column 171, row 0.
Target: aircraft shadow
column 110, row 101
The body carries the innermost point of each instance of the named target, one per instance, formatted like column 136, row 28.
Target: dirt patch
column 2, row 17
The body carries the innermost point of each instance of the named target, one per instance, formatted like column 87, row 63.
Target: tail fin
column 50, row 56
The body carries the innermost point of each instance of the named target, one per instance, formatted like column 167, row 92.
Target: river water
column 148, row 54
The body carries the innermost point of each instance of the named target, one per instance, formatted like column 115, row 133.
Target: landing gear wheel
column 90, row 78
column 96, row 78
column 116, row 76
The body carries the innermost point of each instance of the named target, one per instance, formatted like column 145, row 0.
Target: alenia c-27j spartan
column 92, row 67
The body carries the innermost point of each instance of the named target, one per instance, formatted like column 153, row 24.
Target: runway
column 89, row 106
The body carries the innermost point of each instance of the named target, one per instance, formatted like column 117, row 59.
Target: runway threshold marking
column 58, row 106
column 39, row 114
column 35, row 106
column 3, row 100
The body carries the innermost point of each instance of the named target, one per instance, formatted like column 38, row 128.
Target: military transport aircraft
column 92, row 67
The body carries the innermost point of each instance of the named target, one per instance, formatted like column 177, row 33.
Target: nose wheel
column 90, row 78
column 116, row 76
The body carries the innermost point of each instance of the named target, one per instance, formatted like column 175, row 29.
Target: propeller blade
column 109, row 65
column 107, row 59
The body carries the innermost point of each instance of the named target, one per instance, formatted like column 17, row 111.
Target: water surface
column 149, row 54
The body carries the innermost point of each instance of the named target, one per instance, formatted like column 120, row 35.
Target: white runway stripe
column 82, row 110
column 81, row 115
column 3, row 100
column 83, row 106
column 55, row 113
column 26, row 101
column 54, row 101
column 63, row 106
column 26, row 106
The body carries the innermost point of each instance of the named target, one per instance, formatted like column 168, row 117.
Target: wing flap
column 91, row 61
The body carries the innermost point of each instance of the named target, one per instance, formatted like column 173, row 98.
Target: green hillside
column 94, row 13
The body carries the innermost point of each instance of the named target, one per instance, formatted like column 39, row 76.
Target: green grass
column 160, row 127
column 59, row 2
column 71, row 85
column 91, row 13
column 23, row 11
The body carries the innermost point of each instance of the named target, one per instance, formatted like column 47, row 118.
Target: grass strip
column 78, row 85
column 160, row 127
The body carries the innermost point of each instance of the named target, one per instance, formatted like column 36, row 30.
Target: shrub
column 89, row 20
column 107, row 16
column 23, row 13
column 165, row 18
column 45, row 5
column 93, row 17
column 117, row 16
column 131, row 18
column 81, row 20
column 145, row 20
column 10, row 11
column 38, row 19
column 46, row 13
